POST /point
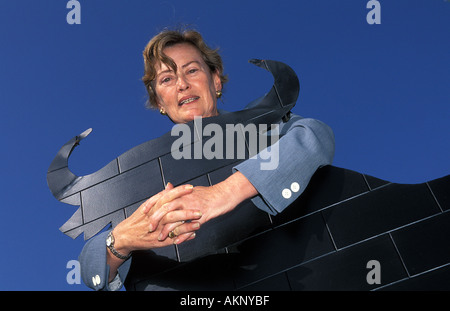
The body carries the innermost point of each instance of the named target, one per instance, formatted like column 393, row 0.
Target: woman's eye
column 165, row 80
column 193, row 70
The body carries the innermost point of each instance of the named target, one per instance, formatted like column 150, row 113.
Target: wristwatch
column 110, row 244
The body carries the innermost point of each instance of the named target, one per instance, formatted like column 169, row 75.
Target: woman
column 184, row 78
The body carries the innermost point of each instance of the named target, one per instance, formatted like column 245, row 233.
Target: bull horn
column 59, row 176
column 286, row 86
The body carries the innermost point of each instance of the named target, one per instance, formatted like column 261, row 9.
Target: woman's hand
column 141, row 230
column 211, row 201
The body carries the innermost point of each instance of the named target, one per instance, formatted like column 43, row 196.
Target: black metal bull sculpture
column 114, row 192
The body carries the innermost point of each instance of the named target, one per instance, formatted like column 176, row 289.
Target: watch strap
column 113, row 250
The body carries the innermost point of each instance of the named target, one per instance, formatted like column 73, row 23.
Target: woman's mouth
column 187, row 100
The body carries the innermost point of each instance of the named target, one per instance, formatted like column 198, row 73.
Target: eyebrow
column 184, row 66
column 192, row 61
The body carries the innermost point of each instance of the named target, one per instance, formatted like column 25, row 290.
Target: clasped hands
column 178, row 211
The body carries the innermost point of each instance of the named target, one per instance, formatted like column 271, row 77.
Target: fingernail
column 167, row 185
column 176, row 241
column 188, row 187
column 150, row 228
column 192, row 235
column 198, row 214
column 160, row 237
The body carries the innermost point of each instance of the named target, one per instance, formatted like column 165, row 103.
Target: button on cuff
column 96, row 280
column 286, row 193
column 295, row 187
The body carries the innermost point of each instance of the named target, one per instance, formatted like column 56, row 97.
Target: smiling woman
column 157, row 60
column 184, row 78
column 188, row 90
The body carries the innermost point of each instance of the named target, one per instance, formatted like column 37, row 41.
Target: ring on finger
column 172, row 234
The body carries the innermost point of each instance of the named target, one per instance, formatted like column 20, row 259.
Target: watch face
column 109, row 240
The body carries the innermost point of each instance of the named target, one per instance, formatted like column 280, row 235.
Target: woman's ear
column 217, row 81
column 161, row 110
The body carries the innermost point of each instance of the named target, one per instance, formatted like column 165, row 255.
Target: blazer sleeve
column 94, row 269
column 304, row 145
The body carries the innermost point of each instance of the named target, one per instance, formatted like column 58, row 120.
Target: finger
column 184, row 237
column 179, row 215
column 163, row 206
column 147, row 205
column 174, row 193
column 178, row 229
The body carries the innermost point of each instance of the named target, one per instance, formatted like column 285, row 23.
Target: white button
column 295, row 187
column 286, row 193
column 96, row 280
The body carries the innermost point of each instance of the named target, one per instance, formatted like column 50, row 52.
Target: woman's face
column 189, row 92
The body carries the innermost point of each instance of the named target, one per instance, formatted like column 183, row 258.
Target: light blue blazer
column 304, row 145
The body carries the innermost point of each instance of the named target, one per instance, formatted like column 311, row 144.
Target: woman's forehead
column 182, row 54
column 182, row 50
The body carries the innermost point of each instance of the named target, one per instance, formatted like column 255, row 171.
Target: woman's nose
column 182, row 84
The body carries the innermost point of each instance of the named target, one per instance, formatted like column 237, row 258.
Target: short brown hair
column 153, row 55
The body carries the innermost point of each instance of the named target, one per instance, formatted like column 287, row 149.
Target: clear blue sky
column 384, row 89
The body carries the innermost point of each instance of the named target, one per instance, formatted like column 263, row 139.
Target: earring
column 219, row 94
column 161, row 111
